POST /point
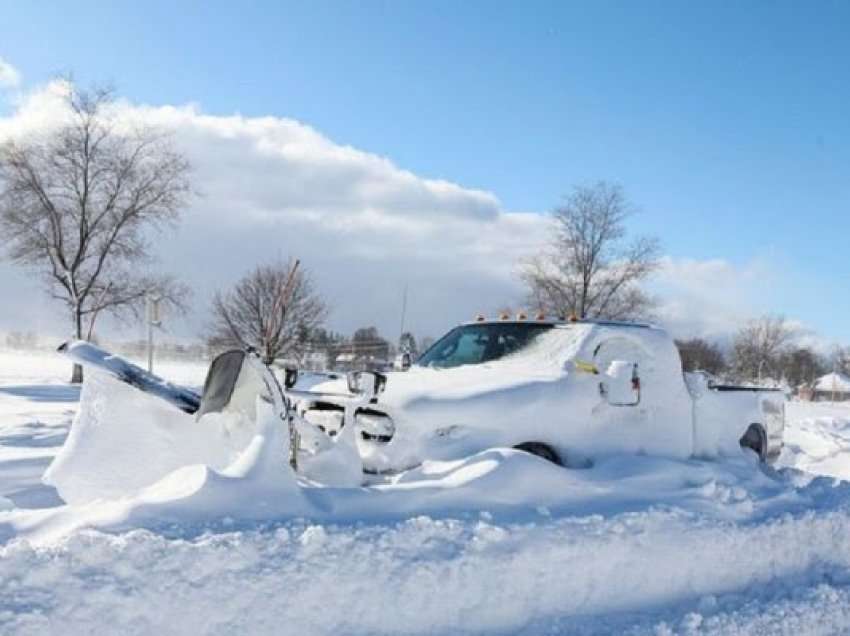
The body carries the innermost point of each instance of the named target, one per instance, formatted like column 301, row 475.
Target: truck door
column 642, row 408
column 621, row 364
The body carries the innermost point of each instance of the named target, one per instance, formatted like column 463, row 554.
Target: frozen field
column 501, row 543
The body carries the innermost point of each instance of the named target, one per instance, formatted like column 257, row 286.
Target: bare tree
column 802, row 366
column 840, row 360
column 700, row 355
column 759, row 347
column 275, row 309
column 367, row 343
column 76, row 203
column 591, row 270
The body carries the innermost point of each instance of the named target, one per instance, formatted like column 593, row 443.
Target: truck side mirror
column 290, row 377
column 369, row 384
column 621, row 384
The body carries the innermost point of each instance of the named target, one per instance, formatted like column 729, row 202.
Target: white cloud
column 365, row 227
column 9, row 75
column 711, row 298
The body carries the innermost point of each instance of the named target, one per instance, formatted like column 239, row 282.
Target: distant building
column 345, row 362
column 832, row 386
column 360, row 362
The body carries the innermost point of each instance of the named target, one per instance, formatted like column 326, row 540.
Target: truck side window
column 470, row 348
column 478, row 343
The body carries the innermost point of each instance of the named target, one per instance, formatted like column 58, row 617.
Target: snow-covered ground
column 499, row 543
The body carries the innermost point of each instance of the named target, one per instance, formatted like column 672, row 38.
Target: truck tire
column 544, row 451
column 756, row 440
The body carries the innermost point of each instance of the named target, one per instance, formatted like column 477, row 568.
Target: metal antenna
column 281, row 301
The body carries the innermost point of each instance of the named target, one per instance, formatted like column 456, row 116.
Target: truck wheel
column 756, row 440
column 542, row 450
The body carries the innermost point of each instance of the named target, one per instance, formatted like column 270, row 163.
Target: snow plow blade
column 92, row 357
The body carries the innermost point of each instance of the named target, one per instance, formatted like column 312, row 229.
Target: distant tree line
column 21, row 340
column 765, row 349
column 277, row 309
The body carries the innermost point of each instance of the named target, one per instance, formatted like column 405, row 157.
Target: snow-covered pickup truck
column 568, row 391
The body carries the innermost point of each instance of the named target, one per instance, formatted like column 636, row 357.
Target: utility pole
column 403, row 312
column 153, row 319
column 834, row 376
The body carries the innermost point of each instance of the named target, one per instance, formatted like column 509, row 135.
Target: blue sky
column 727, row 123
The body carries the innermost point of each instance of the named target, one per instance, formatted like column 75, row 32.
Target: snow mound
column 123, row 440
column 818, row 441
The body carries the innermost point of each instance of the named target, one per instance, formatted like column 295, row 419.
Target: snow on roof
column 833, row 382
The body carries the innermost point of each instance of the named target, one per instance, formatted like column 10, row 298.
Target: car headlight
column 328, row 418
column 374, row 426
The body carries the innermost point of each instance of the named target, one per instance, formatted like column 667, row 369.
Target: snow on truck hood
column 546, row 359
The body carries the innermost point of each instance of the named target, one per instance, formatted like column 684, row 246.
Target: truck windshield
column 477, row 343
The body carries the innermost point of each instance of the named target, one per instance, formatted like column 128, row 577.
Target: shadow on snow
column 44, row 392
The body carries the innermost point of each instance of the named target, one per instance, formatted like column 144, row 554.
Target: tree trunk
column 77, row 372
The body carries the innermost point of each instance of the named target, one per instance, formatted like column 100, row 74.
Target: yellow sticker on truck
column 586, row 367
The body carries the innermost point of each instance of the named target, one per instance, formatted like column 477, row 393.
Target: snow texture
column 497, row 542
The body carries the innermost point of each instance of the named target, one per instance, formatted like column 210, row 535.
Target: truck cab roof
column 555, row 322
column 482, row 340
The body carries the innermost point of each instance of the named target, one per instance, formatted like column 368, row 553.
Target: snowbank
column 498, row 542
column 123, row 440
column 424, row 575
column 818, row 439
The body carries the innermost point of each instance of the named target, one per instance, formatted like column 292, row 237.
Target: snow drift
column 123, row 440
column 498, row 542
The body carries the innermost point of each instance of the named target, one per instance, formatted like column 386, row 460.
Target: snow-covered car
column 567, row 391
